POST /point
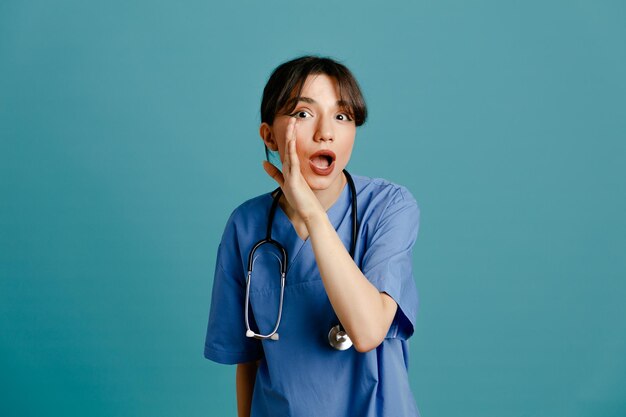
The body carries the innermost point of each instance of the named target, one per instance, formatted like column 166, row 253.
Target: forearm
column 245, row 377
column 364, row 312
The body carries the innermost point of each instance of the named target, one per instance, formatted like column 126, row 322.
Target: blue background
column 129, row 131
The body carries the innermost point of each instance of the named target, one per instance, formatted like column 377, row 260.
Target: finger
column 274, row 172
column 288, row 136
column 294, row 162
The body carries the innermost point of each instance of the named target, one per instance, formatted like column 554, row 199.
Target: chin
column 319, row 183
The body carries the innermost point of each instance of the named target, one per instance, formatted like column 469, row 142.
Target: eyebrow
column 295, row 100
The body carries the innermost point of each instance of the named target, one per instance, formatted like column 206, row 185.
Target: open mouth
column 322, row 162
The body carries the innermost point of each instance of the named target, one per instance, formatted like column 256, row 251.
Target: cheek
column 304, row 131
column 346, row 148
column 345, row 155
column 302, row 154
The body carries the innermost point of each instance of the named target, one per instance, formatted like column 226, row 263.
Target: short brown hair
column 288, row 79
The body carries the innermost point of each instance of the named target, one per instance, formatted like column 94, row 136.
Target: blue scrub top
column 301, row 374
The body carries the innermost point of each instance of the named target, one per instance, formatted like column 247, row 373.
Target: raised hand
column 295, row 188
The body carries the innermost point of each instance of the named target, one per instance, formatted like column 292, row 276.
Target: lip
column 323, row 171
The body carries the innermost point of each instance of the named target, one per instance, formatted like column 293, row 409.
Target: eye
column 300, row 114
column 344, row 117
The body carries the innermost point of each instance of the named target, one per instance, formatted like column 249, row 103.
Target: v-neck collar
column 284, row 232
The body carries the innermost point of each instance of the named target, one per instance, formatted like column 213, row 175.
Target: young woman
column 329, row 336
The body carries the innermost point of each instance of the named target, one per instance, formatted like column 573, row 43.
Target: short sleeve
column 387, row 262
column 226, row 340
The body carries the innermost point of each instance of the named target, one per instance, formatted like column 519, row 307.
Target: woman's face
column 324, row 133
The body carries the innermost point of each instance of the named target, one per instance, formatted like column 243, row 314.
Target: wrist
column 314, row 218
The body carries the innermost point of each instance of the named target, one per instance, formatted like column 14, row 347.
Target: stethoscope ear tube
column 355, row 222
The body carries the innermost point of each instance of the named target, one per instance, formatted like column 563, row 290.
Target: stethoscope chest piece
column 339, row 339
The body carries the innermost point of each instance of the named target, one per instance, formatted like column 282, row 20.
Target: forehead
column 320, row 86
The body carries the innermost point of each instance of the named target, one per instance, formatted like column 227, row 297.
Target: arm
column 365, row 313
column 246, row 374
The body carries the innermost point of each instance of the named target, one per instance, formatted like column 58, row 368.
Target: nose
column 324, row 131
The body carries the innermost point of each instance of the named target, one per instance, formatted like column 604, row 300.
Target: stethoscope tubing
column 273, row 335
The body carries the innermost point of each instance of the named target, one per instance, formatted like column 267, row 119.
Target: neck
column 326, row 197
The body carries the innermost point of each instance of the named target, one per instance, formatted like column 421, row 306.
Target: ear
column 265, row 131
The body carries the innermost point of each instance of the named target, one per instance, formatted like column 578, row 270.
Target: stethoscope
column 337, row 337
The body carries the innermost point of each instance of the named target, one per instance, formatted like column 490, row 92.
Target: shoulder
column 242, row 226
column 383, row 192
column 384, row 205
column 253, row 205
column 247, row 215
